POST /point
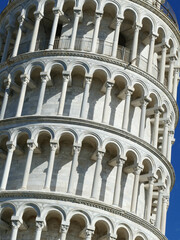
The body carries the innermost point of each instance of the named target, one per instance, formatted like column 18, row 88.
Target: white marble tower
column 87, row 117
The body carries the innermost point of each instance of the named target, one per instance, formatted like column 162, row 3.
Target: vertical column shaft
column 7, row 83
column 165, row 202
column 117, row 189
column 31, row 146
column 169, row 144
column 156, row 128
column 38, row 17
column 149, row 199
column 126, row 109
column 64, row 230
column 165, row 137
column 18, row 37
column 7, row 43
column 159, row 208
column 96, row 31
column 163, row 63
column 54, row 28
column 107, row 100
column 6, row 171
column 77, row 14
column 88, row 81
column 171, row 72
column 66, row 78
column 96, row 180
column 137, row 172
column 53, row 146
column 24, row 80
column 175, row 82
column 39, row 227
column 89, row 234
column 15, row 226
column 143, row 118
column 116, row 36
column 135, row 44
column 44, row 79
column 74, row 164
column 151, row 53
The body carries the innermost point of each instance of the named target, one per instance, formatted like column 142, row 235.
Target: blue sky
column 173, row 220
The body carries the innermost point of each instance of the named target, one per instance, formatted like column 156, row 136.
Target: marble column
column 143, row 117
column 54, row 146
column 97, row 176
column 38, row 17
column 165, row 137
column 135, row 44
column 66, row 77
column 126, row 109
column 76, row 151
column 18, row 36
column 89, row 234
column 1, row 40
column 117, row 190
column 107, row 101
column 15, row 226
column 165, row 204
column 175, row 82
column 39, row 227
column 44, row 79
column 7, row 84
column 31, row 146
column 7, row 43
column 64, row 230
column 11, row 148
column 57, row 13
column 96, row 31
column 151, row 53
column 25, row 81
column 171, row 73
column 163, row 64
column 155, row 128
column 116, row 36
column 159, row 208
column 149, row 198
column 88, row 80
column 137, row 172
column 77, row 14
column 169, row 144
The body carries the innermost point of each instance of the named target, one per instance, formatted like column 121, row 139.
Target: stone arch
column 82, row 213
column 134, row 154
column 152, row 21
column 8, row 205
column 135, row 12
column 142, row 85
column 50, row 208
column 123, row 232
column 15, row 71
column 42, row 4
column 112, row 3
column 37, row 131
column 31, row 5
column 29, row 69
column 50, row 65
column 16, row 133
column 116, row 143
column 86, row 134
column 107, row 222
column 23, row 207
column 79, row 64
column 105, row 71
column 63, row 131
column 90, row 2
column 140, row 236
column 124, row 76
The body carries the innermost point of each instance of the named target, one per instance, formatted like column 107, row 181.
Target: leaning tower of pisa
column 88, row 111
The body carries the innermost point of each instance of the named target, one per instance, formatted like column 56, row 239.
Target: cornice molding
column 25, row 120
column 9, row 195
column 58, row 52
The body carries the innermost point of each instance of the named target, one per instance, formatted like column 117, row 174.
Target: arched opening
column 101, row 230
column 122, row 234
column 77, row 227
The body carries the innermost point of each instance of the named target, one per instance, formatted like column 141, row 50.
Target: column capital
column 66, row 75
column 145, row 101
column 172, row 58
column 164, row 46
column 167, row 122
column 44, row 76
column 120, row 161
column 154, row 35
column 151, row 180
column 64, row 228
column 165, row 199
column 53, row 145
column 31, row 144
column 138, row 169
column 16, row 223
column 40, row 224
column 119, row 20
column 88, row 79
column 98, row 14
column 38, row 15
column 76, row 148
column 137, row 27
column 57, row 11
column 129, row 90
column 24, row 78
column 89, row 233
column 10, row 146
column 109, row 84
column 77, row 11
column 7, row 82
column 21, row 19
column 100, row 154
